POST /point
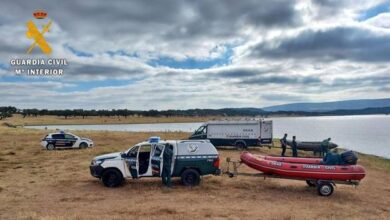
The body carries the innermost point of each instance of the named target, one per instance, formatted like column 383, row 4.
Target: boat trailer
column 324, row 187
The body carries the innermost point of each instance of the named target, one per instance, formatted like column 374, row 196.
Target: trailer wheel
column 311, row 183
column 325, row 189
column 190, row 177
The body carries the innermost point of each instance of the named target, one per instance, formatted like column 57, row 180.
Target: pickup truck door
column 144, row 163
column 157, row 160
column 132, row 161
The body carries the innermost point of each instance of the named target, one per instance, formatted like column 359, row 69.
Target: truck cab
column 191, row 159
column 200, row 133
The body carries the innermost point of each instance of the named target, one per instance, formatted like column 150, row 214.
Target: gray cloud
column 281, row 79
column 245, row 72
column 227, row 18
column 154, row 25
column 89, row 71
column 340, row 43
column 287, row 67
column 376, row 80
column 283, row 97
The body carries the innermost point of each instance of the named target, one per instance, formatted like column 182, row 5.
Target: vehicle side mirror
column 123, row 155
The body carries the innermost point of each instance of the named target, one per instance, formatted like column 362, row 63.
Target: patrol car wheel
column 50, row 147
column 190, row 177
column 83, row 145
column 324, row 189
column 112, row 178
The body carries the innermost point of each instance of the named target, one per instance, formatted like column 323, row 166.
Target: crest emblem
column 37, row 35
column 192, row 148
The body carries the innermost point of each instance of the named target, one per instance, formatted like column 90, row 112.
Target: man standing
column 167, row 163
column 294, row 147
column 283, row 142
column 325, row 146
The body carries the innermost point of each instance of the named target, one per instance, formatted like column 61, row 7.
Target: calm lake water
column 367, row 134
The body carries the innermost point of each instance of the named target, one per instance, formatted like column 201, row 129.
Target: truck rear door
column 266, row 132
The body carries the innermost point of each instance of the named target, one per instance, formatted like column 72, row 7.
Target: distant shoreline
column 159, row 120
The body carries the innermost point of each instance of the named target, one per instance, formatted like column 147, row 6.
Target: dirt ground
column 40, row 184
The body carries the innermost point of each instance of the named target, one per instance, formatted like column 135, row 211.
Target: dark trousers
column 294, row 152
column 324, row 150
column 166, row 175
column 283, row 150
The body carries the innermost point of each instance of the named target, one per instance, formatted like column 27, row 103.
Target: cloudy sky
column 199, row 54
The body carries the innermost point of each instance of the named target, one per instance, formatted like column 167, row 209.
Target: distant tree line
column 7, row 111
column 152, row 113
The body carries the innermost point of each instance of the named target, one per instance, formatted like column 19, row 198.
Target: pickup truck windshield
column 133, row 152
column 201, row 130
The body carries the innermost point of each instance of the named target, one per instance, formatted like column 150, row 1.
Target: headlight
column 96, row 162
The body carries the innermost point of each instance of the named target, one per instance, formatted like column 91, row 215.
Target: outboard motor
column 349, row 157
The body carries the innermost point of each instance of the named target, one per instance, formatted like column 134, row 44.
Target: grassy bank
column 38, row 184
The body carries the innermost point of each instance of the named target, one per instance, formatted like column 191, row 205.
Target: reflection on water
column 367, row 134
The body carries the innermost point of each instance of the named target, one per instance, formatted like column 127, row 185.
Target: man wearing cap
column 294, row 146
column 283, row 142
column 325, row 146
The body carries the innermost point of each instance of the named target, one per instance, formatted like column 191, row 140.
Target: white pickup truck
column 191, row 160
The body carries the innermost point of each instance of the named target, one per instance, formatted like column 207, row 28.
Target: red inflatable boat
column 302, row 168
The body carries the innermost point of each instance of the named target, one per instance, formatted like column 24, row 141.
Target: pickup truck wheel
column 50, row 147
column 83, row 145
column 112, row 178
column 190, row 177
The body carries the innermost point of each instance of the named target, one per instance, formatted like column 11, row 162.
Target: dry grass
column 38, row 184
column 18, row 119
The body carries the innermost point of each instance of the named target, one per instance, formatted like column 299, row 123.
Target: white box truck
column 240, row 133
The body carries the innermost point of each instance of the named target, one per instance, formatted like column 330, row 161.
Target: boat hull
column 311, row 145
column 302, row 168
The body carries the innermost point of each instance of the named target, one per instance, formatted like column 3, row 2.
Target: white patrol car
column 191, row 159
column 65, row 140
